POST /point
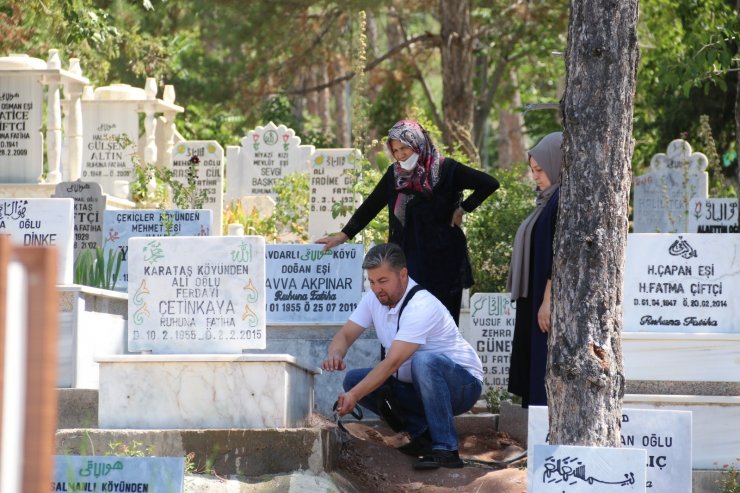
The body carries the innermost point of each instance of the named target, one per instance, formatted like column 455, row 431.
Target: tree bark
column 511, row 147
column 322, row 99
column 457, row 75
column 585, row 376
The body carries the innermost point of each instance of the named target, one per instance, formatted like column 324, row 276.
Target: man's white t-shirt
column 424, row 321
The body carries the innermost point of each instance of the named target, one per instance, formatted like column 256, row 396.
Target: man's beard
column 388, row 301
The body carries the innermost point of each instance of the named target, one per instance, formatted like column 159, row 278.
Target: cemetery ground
column 368, row 464
column 372, row 466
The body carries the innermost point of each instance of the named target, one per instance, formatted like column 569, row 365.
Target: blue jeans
column 440, row 391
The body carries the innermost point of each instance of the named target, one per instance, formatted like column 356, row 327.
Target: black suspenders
column 411, row 294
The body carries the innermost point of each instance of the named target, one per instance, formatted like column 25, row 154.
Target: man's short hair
column 385, row 253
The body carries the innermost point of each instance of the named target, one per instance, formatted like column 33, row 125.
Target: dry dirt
column 369, row 461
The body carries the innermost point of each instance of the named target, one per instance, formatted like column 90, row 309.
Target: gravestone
column 206, row 157
column 112, row 143
column 306, row 285
column 266, row 154
column 713, row 216
column 491, row 331
column 21, row 117
column 89, row 204
column 572, row 469
column 661, row 196
column 97, row 473
column 664, row 434
column 331, row 182
column 120, row 226
column 110, row 135
column 196, row 295
column 682, row 283
column 41, row 222
column 24, row 84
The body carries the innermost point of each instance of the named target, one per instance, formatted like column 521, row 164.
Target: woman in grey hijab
column 530, row 276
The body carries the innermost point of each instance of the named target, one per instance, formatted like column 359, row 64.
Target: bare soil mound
column 369, row 462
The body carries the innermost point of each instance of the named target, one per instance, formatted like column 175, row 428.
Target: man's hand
column 346, row 403
column 332, row 240
column 333, row 362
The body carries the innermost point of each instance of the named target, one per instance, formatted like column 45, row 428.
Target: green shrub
column 97, row 270
column 288, row 221
column 494, row 396
column 491, row 229
column 729, row 482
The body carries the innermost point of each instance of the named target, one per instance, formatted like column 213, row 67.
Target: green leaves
column 93, row 268
column 492, row 226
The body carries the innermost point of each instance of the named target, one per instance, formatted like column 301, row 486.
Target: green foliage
column 122, row 449
column 184, row 196
column 718, row 186
column 730, row 482
column 287, row 223
column 494, row 396
column 360, row 103
column 492, row 226
column 365, row 176
column 678, row 81
column 93, row 268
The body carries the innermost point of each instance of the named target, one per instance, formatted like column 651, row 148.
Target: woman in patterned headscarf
column 423, row 192
column 530, row 276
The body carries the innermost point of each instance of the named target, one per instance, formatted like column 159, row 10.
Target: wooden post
column 39, row 410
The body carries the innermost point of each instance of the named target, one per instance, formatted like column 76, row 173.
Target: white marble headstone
column 491, row 331
column 208, row 158
column 266, row 154
column 570, row 469
column 661, row 196
column 196, row 295
column 89, row 204
column 307, row 285
column 682, row 283
column 93, row 473
column 713, row 216
column 21, row 114
column 107, row 125
column 41, row 222
column 120, row 225
column 664, row 434
column 331, row 182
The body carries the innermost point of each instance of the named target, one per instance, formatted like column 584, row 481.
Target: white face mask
column 410, row 163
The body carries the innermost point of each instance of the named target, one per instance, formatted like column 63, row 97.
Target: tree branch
column 420, row 77
column 426, row 37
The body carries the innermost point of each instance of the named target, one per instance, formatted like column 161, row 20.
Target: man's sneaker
column 421, row 445
column 440, row 458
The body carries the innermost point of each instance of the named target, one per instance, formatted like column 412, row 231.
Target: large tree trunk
column 511, row 146
column 585, row 376
column 457, row 75
column 322, row 100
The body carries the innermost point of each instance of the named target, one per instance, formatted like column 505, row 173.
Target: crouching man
column 429, row 373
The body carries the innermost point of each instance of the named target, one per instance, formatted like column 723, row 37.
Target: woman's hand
column 332, row 240
column 543, row 314
column 457, row 217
